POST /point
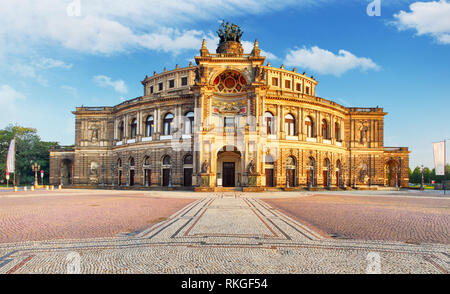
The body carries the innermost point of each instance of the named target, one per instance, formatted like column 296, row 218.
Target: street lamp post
column 35, row 167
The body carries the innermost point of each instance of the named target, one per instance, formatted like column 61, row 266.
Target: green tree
column 29, row 149
column 415, row 177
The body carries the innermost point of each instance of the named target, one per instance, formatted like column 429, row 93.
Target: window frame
column 289, row 123
column 168, row 124
column 149, row 125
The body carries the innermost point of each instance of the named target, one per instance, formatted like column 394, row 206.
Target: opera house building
column 230, row 121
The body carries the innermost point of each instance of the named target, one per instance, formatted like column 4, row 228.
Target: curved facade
column 230, row 121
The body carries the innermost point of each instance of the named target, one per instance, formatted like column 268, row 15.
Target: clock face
column 230, row 82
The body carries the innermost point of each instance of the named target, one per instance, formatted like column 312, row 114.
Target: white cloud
column 36, row 68
column 104, row 81
column 106, row 27
column 322, row 61
column 427, row 18
column 8, row 98
column 49, row 63
column 28, row 71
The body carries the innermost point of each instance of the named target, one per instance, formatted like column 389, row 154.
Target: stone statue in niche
column 363, row 174
column 94, row 133
column 251, row 168
column 257, row 72
column 93, row 172
column 205, row 167
column 199, row 73
column 363, row 134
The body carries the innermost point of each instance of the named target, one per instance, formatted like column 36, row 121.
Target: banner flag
column 11, row 158
column 439, row 158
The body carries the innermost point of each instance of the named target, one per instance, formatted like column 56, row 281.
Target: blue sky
column 58, row 57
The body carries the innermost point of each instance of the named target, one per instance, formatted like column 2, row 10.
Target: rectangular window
column 171, row 84
column 307, row 90
column 287, row 84
column 151, row 89
column 184, row 81
column 275, row 81
column 160, row 86
column 299, row 87
column 229, row 122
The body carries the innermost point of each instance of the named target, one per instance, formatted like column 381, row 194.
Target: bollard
column 46, row 188
column 25, row 188
column 52, row 187
column 16, row 189
column 59, row 187
column 32, row 188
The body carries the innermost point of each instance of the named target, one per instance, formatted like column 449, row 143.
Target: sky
column 56, row 55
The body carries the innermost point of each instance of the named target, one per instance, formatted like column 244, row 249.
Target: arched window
column 189, row 123
column 133, row 127
column 268, row 120
column 149, row 126
column 325, row 129
column 188, row 159
column 168, row 124
column 289, row 122
column 120, row 130
column 337, row 131
column 166, row 160
column 131, row 162
column 309, row 124
column 119, row 163
column 147, row 161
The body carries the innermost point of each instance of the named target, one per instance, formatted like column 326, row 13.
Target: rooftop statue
column 229, row 32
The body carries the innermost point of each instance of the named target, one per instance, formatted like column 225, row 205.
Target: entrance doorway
column 132, row 177
column 148, row 177
column 166, row 177
column 392, row 177
column 228, row 174
column 290, row 172
column 188, row 177
column 268, row 168
column 269, row 177
column 66, row 173
column 229, row 167
column 188, row 170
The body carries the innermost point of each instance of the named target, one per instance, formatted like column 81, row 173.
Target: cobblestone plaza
column 227, row 232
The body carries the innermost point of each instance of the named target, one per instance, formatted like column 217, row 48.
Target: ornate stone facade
column 230, row 121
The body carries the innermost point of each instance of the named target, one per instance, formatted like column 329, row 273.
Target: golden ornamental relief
column 230, row 82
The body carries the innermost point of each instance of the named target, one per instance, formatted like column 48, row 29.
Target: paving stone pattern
column 223, row 233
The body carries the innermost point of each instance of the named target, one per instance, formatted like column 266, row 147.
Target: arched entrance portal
column 291, row 172
column 167, row 171
column 66, row 172
column 391, row 177
column 229, row 167
column 187, row 170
